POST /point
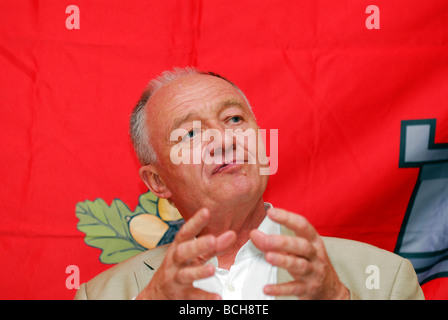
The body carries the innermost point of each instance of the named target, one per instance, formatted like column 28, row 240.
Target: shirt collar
column 248, row 250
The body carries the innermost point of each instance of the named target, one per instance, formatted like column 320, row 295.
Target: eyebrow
column 231, row 103
column 183, row 119
column 194, row 115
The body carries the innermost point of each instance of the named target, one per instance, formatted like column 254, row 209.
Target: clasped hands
column 303, row 256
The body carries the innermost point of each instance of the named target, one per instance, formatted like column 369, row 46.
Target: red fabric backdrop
column 336, row 91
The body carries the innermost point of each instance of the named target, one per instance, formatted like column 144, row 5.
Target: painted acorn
column 167, row 211
column 147, row 229
column 150, row 230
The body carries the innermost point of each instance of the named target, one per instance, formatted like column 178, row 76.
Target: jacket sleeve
column 81, row 293
column 406, row 285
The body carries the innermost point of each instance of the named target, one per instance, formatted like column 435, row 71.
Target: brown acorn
column 147, row 229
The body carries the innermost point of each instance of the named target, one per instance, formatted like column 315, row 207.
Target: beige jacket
column 397, row 278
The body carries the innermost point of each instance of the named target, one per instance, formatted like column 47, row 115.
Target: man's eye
column 235, row 119
column 191, row 134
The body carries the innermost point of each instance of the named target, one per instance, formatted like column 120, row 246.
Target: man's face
column 217, row 106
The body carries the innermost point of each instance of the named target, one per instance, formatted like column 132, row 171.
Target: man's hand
column 185, row 262
column 303, row 256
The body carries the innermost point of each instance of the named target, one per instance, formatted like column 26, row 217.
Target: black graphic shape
column 423, row 237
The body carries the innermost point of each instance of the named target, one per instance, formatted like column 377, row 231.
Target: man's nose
column 218, row 142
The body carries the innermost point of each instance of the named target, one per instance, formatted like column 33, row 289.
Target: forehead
column 194, row 90
column 189, row 93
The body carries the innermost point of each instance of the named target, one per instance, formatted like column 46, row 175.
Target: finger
column 189, row 250
column 293, row 245
column 223, row 243
column 258, row 238
column 292, row 288
column 296, row 266
column 294, row 222
column 188, row 275
column 193, row 226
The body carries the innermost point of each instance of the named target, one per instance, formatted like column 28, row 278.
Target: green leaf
column 106, row 227
column 114, row 250
column 148, row 202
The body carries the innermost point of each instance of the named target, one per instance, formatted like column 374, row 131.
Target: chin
column 243, row 189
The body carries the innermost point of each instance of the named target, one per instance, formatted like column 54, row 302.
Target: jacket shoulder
column 372, row 273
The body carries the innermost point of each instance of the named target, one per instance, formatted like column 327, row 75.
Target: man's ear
column 150, row 177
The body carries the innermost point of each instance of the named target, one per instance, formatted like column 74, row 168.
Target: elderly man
column 233, row 245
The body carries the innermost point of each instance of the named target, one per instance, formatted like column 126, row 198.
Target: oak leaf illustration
column 121, row 233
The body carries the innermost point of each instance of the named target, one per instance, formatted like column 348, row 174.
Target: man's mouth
column 224, row 167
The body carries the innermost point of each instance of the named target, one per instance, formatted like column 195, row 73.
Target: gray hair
column 138, row 126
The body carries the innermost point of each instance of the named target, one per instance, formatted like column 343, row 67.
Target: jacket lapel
column 148, row 267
